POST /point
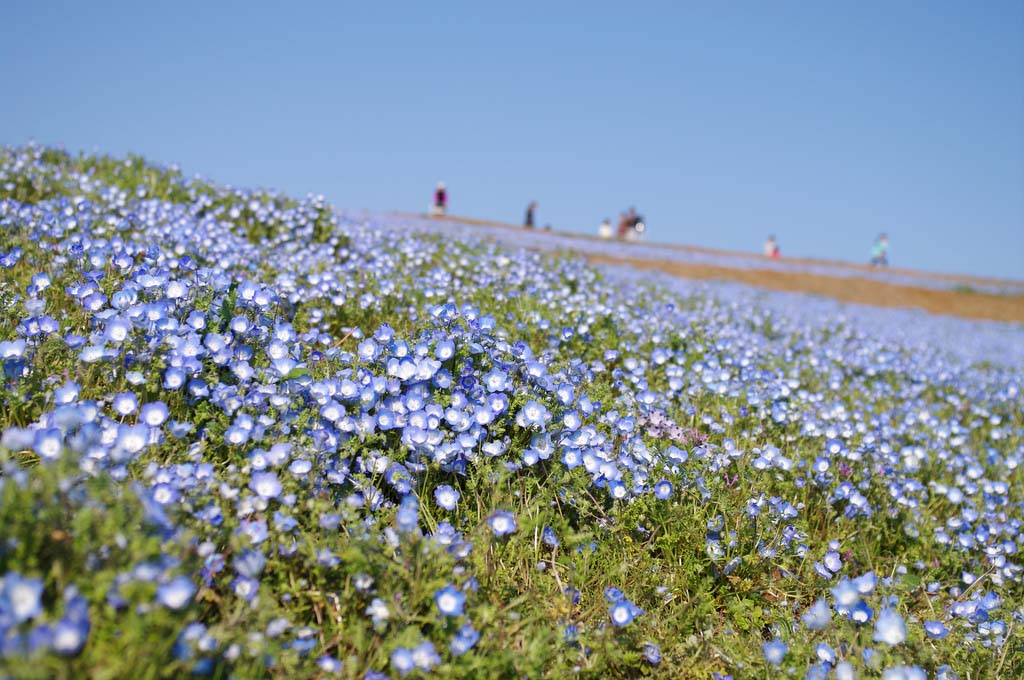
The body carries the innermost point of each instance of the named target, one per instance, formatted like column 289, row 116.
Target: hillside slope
column 956, row 295
column 245, row 435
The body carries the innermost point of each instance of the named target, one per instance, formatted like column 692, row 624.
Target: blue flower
column 153, row 414
column 250, row 563
column 69, row 635
column 502, row 523
column 425, row 656
column 465, row 639
column 177, row 593
column 265, row 484
column 904, row 673
column 774, row 651
column 402, row 661
column 407, row 516
column 818, row 616
column 533, row 414
column 450, row 601
column 936, row 630
column 890, row 628
column 48, row 443
column 663, row 490
column 446, row 497
column 549, row 537
column 623, row 612
column 845, row 593
column 328, row 664
column 125, row 403
column 20, row 597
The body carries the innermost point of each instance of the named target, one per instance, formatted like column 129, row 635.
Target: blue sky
column 823, row 123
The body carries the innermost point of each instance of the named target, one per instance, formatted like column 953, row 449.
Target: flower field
column 245, row 435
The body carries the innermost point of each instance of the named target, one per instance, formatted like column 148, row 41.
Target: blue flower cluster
column 311, row 411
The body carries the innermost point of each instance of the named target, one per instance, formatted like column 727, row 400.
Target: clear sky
column 823, row 123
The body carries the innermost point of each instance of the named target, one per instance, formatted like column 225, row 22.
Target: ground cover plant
column 244, row 435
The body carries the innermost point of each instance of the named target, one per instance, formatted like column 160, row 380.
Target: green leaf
column 297, row 372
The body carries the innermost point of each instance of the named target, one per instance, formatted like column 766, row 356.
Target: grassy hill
column 245, row 435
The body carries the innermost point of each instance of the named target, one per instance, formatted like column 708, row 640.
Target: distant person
column 639, row 227
column 880, row 251
column 547, row 227
column 530, row 210
column 623, row 225
column 440, row 206
column 604, row 230
column 771, row 248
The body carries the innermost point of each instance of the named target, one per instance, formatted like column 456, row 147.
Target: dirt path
column 972, row 305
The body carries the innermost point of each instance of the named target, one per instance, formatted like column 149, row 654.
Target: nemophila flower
column 549, row 537
column 845, row 593
column 153, row 414
column 495, row 380
column 407, row 516
column 326, row 558
column 865, row 583
column 328, row 664
column 623, row 612
column 378, row 612
column 449, row 601
column 124, row 403
column 465, row 639
column 177, row 593
column 425, row 656
column 164, row 494
column 663, row 490
column 936, row 630
column 69, row 635
column 652, row 653
column 533, row 414
column 502, row 523
column 265, row 484
column 245, row 587
column 446, row 497
column 250, row 563
column 20, row 597
column 66, row 393
column 402, row 661
column 860, row 612
column 845, row 671
column 300, row 467
column 255, row 530
column 904, row 673
column 48, row 443
column 174, row 378
column 890, row 628
column 818, row 616
column 367, row 350
column 774, row 651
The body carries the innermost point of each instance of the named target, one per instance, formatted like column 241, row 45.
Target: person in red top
column 440, row 206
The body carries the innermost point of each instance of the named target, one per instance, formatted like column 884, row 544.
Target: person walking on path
column 771, row 248
column 880, row 251
column 530, row 209
column 440, row 206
